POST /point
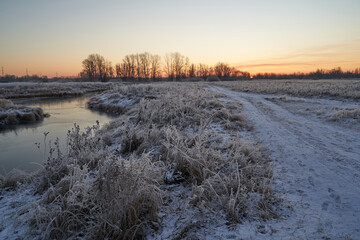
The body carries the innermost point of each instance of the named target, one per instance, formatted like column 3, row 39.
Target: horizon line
column 237, row 67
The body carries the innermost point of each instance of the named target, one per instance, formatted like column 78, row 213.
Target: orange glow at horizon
column 73, row 69
column 346, row 56
column 299, row 69
column 61, row 67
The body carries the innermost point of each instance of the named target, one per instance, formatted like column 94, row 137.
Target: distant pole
column 2, row 71
column 27, row 73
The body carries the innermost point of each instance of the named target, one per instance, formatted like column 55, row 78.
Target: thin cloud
column 272, row 65
column 327, row 51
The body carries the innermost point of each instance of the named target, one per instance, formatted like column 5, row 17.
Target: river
column 19, row 144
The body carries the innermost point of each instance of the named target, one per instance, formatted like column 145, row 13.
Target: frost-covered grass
column 11, row 114
column 353, row 113
column 306, row 88
column 53, row 89
column 13, row 178
column 118, row 182
column 121, row 98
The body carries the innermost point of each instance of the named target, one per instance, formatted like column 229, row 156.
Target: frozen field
column 52, row 89
column 197, row 161
column 316, row 162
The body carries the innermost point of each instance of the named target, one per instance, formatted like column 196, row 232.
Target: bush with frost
column 11, row 114
column 90, row 192
column 338, row 115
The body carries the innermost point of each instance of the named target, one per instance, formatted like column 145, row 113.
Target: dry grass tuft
column 89, row 192
column 131, row 141
column 14, row 178
column 344, row 114
column 6, row 103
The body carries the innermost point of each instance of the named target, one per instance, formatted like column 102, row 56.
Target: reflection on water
column 17, row 144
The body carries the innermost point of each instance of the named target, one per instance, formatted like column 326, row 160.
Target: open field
column 52, row 89
column 316, row 166
column 340, row 88
column 195, row 160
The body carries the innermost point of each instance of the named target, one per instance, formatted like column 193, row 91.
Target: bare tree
column 155, row 62
column 100, row 66
column 192, row 70
column 169, row 66
column 203, row 71
column 118, row 70
column 94, row 67
column 222, row 70
column 109, row 71
column 234, row 72
column 137, row 66
column 145, row 65
column 179, row 64
column 129, row 66
column 88, row 69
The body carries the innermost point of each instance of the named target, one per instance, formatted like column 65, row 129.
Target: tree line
column 146, row 66
column 176, row 67
column 173, row 66
column 334, row 73
column 95, row 67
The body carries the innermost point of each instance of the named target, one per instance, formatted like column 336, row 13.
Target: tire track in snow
column 316, row 168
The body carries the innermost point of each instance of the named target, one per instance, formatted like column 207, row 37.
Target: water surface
column 18, row 144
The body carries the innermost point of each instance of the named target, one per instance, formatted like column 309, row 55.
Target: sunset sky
column 48, row 37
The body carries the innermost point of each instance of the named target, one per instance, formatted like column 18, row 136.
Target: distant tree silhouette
column 203, row 71
column 155, row 66
column 129, row 66
column 222, row 70
column 139, row 66
column 89, row 67
column 318, row 74
column 169, row 68
column 95, row 67
column 175, row 66
column 118, row 70
column 192, row 70
column 109, row 71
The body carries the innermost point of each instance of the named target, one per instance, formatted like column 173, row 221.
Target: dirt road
column 316, row 164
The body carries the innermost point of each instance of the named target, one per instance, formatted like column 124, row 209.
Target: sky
column 49, row 37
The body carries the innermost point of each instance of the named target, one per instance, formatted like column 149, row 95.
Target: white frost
column 317, row 167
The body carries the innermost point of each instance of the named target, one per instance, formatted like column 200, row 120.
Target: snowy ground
column 316, row 164
column 316, row 174
column 14, row 211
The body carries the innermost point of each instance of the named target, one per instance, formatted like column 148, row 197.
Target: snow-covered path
column 316, row 168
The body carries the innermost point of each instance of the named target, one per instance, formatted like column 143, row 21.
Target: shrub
column 97, row 194
column 13, row 178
